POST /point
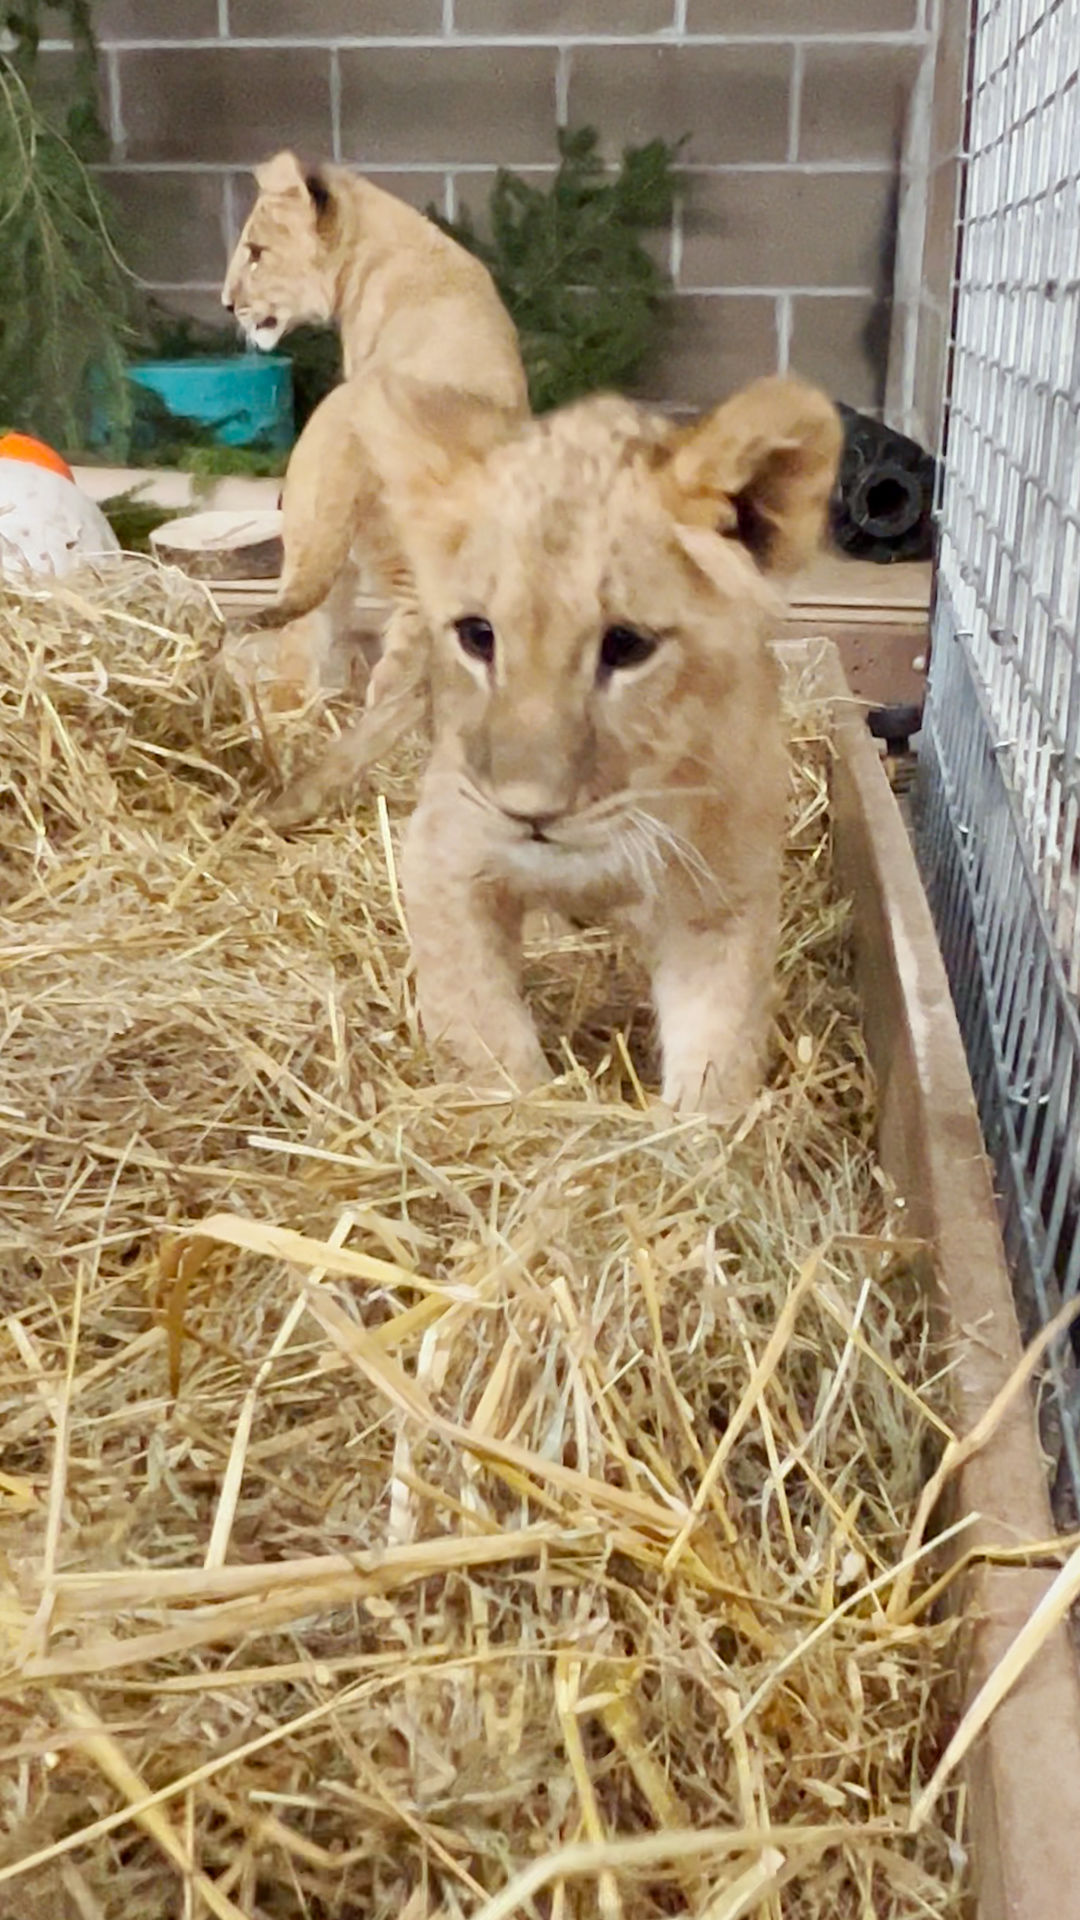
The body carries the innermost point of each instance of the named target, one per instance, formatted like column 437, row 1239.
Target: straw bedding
column 403, row 1493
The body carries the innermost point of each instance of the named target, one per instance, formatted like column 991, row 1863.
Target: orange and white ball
column 47, row 524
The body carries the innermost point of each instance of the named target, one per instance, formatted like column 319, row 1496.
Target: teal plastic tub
column 242, row 398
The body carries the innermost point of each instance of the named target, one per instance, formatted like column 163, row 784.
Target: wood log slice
column 222, row 545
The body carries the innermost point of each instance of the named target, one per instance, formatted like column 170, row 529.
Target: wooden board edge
column 1023, row 1774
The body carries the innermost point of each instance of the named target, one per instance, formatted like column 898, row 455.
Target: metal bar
column 998, row 798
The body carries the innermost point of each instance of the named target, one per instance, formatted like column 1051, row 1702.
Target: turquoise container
column 241, row 397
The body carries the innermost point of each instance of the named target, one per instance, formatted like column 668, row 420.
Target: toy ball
column 23, row 446
column 47, row 525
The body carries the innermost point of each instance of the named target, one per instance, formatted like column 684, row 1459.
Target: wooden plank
column 885, row 665
column 1023, row 1776
column 853, row 613
column 834, row 580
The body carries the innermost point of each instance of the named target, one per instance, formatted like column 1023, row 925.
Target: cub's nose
column 520, row 801
column 229, row 305
column 538, row 823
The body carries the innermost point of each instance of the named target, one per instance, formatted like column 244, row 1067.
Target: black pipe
column 883, row 506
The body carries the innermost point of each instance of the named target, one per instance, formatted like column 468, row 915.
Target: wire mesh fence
column 999, row 784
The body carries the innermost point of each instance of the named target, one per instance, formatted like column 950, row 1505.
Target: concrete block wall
column 796, row 112
column 930, row 210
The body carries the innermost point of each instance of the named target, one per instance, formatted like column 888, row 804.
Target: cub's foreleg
column 465, row 930
column 713, row 993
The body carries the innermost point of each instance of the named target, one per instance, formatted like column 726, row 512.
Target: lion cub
column 328, row 245
column 607, row 738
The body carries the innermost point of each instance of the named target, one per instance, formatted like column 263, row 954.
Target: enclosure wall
column 795, row 113
column 926, row 242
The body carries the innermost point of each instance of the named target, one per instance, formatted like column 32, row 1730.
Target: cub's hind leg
column 330, row 496
column 397, row 700
column 331, row 650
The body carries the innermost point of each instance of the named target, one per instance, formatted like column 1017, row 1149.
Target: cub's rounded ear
column 760, row 469
column 320, row 194
column 282, row 174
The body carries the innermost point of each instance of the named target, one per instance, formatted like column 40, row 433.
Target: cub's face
column 594, row 658
column 276, row 279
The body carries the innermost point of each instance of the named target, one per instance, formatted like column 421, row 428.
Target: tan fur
column 650, row 796
column 423, row 433
column 405, row 298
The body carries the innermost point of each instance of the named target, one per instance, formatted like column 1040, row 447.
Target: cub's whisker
column 478, row 799
column 666, row 839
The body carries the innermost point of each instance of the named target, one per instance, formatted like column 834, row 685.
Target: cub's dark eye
column 255, row 254
column 477, row 638
column 625, row 647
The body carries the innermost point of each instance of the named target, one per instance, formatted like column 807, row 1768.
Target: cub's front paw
column 484, row 1066
column 723, row 1100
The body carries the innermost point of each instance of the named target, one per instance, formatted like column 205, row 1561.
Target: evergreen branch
column 67, row 300
column 569, row 261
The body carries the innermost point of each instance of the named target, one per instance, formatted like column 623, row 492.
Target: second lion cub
column 607, row 736
column 328, row 245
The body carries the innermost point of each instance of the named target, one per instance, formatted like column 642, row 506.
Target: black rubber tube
column 886, row 500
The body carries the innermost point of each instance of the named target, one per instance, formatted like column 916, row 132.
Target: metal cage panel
column 999, row 785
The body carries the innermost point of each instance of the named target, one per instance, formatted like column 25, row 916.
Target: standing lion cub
column 607, row 738
column 330, row 246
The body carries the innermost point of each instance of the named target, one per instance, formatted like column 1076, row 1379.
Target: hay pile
column 399, row 1490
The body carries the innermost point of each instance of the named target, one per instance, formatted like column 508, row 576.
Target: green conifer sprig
column 569, row 260
column 22, row 26
column 66, row 297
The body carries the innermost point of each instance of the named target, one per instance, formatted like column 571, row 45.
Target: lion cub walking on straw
column 607, row 739
column 330, row 246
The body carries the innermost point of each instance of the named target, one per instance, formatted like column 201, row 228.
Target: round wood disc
column 221, row 545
